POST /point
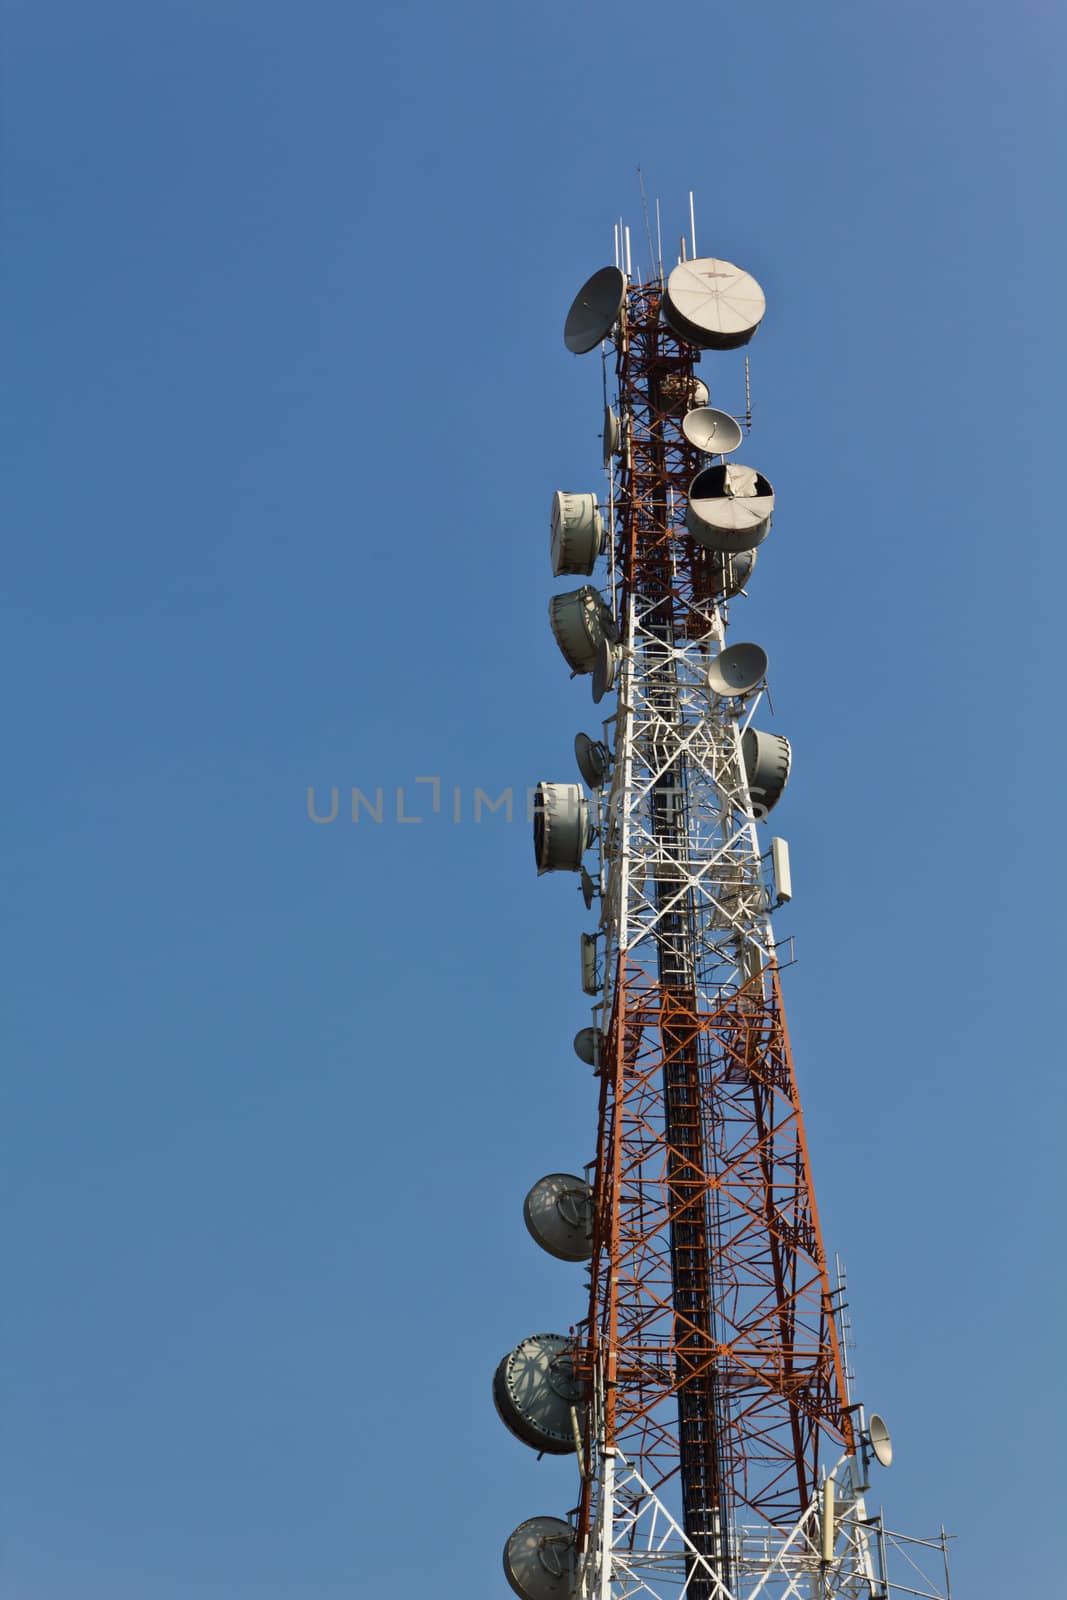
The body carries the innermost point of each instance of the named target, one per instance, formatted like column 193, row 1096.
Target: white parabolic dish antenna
column 738, row 669
column 881, row 1442
column 593, row 310
column 714, row 432
column 713, row 304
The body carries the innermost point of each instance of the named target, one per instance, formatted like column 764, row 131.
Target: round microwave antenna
column 604, row 670
column 611, row 434
column 881, row 1441
column 539, row 1561
column 714, row 432
column 534, row 1388
column 594, row 310
column 729, row 507
column 580, row 619
column 561, row 827
column 594, row 759
column 590, row 1045
column 767, row 758
column 713, row 304
column 558, row 1212
column 588, row 889
column 577, row 533
column 730, row 573
column 738, row 670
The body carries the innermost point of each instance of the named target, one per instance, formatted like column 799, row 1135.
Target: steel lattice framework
column 721, row 1456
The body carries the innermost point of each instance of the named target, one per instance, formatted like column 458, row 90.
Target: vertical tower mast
column 704, row 1391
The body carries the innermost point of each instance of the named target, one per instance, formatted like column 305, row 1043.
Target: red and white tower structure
column 704, row 1390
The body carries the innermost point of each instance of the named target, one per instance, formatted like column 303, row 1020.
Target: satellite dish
column 738, row 669
column 730, row 573
column 558, row 1212
column 604, row 670
column 590, row 1046
column 539, row 1560
column 611, row 434
column 594, row 310
column 713, row 304
column 594, row 759
column 881, row 1442
column 580, row 619
column 588, row 889
column 534, row 1388
column 577, row 533
column 729, row 507
column 767, row 758
column 560, row 826
column 714, row 432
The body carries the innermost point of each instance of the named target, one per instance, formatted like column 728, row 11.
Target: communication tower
column 704, row 1390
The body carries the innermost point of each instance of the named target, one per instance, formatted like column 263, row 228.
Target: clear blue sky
column 286, row 401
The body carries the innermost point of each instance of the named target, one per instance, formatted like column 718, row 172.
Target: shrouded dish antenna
column 589, row 1046
column 594, row 759
column 539, row 1559
column 604, row 669
column 713, row 304
column 534, row 1388
column 594, row 310
column 560, row 827
column 739, row 669
column 767, row 759
column 881, row 1441
column 611, row 434
column 714, row 432
column 679, row 392
column 729, row 507
column 577, row 533
column 580, row 619
column 730, row 573
column 558, row 1212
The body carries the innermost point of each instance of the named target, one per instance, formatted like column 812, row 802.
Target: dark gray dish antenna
column 534, row 1389
column 767, row 758
column 714, row 432
column 558, row 1212
column 580, row 619
column 611, row 434
column 738, row 670
column 577, row 533
column 590, row 1045
column 560, row 827
column 881, row 1441
column 539, row 1559
column 729, row 507
column 604, row 670
column 594, row 759
column 588, row 889
column 594, row 310
column 713, row 304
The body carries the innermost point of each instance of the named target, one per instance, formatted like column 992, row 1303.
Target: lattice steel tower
column 705, row 1392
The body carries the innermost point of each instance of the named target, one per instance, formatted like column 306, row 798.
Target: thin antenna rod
column 659, row 244
column 648, row 225
column 615, row 231
column 692, row 225
column 629, row 266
